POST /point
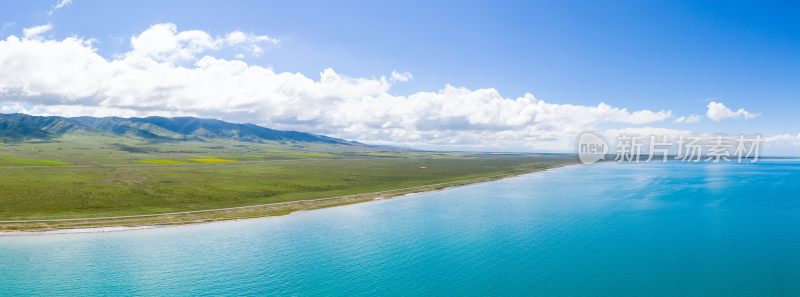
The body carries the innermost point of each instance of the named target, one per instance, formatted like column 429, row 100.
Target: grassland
column 211, row 160
column 13, row 161
column 162, row 162
column 81, row 176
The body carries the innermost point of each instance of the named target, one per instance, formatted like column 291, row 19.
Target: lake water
column 602, row 230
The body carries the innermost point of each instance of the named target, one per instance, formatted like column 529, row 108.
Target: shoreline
column 164, row 220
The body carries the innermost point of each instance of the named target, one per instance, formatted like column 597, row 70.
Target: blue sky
column 637, row 55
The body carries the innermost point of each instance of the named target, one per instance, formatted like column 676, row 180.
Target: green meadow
column 80, row 176
column 14, row 161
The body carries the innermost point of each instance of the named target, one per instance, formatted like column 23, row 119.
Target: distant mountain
column 22, row 126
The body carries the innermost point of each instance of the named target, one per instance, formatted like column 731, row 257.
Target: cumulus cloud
column 164, row 43
column 718, row 112
column 12, row 107
column 645, row 131
column 34, row 32
column 250, row 43
column 401, row 76
column 171, row 72
column 694, row 118
column 59, row 5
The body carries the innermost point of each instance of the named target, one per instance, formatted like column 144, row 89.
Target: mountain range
column 17, row 126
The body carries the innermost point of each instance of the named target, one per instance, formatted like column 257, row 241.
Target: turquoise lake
column 608, row 229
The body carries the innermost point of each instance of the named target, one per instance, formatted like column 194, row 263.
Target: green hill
column 15, row 127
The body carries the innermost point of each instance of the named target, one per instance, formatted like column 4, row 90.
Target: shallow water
column 602, row 230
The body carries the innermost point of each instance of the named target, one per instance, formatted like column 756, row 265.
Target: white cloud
column 694, row 118
column 36, row 31
column 718, row 112
column 59, row 5
column 169, row 72
column 249, row 42
column 163, row 43
column 12, row 107
column 645, row 131
column 401, row 76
